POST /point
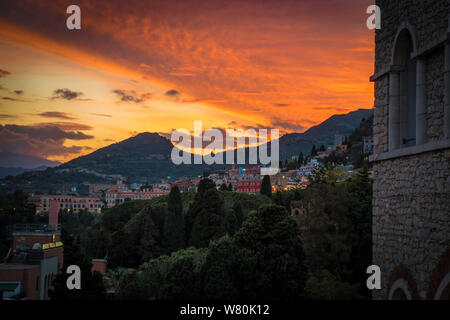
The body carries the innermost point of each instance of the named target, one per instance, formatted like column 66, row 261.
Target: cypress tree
column 313, row 151
column 223, row 187
column 174, row 233
column 203, row 186
column 210, row 219
column 300, row 159
column 266, row 187
column 239, row 214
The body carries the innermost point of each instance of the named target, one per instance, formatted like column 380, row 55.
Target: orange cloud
column 288, row 64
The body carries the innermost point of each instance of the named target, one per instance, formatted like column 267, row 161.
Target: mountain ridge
column 16, row 160
column 145, row 158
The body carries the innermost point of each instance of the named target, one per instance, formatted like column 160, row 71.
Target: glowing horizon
column 159, row 66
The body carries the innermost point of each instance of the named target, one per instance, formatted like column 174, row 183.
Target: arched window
column 37, row 283
column 400, row 290
column 402, row 111
column 443, row 291
column 399, row 294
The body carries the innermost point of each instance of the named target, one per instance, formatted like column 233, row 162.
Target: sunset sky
column 155, row 66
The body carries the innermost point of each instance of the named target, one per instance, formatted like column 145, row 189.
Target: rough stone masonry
column 411, row 161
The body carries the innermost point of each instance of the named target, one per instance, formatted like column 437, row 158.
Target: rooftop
column 17, row 266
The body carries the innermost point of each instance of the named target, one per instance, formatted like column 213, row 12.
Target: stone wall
column 381, row 115
column 429, row 17
column 411, row 215
column 435, row 95
column 415, row 13
column 411, row 197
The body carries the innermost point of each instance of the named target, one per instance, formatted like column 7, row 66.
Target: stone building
column 411, row 157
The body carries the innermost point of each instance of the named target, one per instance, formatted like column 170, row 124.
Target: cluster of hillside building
column 239, row 179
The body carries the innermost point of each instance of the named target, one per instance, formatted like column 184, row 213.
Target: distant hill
column 294, row 143
column 12, row 164
column 145, row 158
column 15, row 160
column 4, row 172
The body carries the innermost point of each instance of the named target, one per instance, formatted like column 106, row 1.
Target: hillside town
column 37, row 248
column 315, row 166
column 237, row 178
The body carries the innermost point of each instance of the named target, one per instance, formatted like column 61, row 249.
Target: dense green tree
column 238, row 213
column 327, row 287
column 91, row 282
column 118, row 252
column 337, row 234
column 206, row 201
column 78, row 224
column 142, row 235
column 159, row 212
column 131, row 288
column 205, row 184
column 177, row 276
column 210, row 219
column 197, row 205
column 223, row 187
column 266, row 187
column 360, row 222
column 230, row 187
column 231, row 222
column 219, row 270
column 98, row 241
column 273, row 238
column 174, row 234
column 278, row 198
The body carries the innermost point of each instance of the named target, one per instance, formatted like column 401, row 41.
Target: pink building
column 120, row 193
column 67, row 202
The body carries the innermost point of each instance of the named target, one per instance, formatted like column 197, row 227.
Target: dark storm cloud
column 11, row 99
column 55, row 114
column 65, row 94
column 39, row 141
column 132, row 96
column 46, row 131
column 65, row 126
column 172, row 93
